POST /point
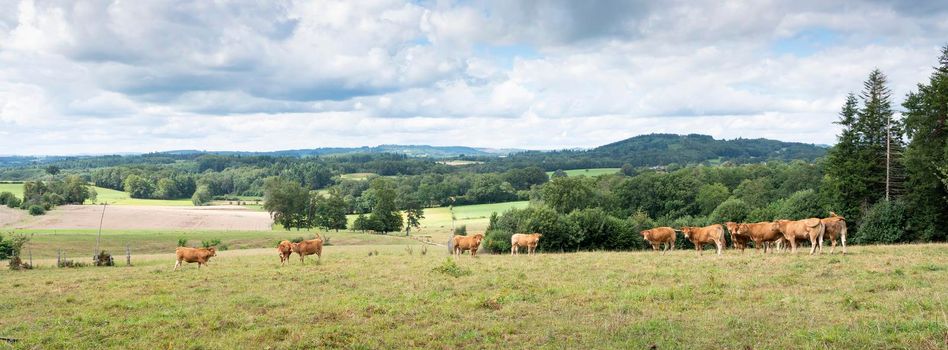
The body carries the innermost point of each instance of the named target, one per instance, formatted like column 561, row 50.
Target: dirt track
column 148, row 217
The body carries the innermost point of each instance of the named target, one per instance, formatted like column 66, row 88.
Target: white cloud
column 118, row 76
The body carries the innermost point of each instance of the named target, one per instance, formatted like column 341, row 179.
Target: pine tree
column 866, row 159
column 926, row 156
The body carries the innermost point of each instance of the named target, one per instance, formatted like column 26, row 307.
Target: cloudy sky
column 137, row 76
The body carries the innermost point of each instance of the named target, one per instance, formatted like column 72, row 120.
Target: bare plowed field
column 148, row 217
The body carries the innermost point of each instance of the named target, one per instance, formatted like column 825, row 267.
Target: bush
column 211, row 243
column 885, row 222
column 297, row 239
column 202, row 196
column 497, row 241
column 451, row 268
column 5, row 197
column 14, row 202
column 732, row 209
column 800, row 205
column 182, row 242
column 461, row 230
column 37, row 210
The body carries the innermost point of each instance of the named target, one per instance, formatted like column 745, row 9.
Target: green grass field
column 437, row 221
column 45, row 243
column 356, row 176
column 588, row 172
column 106, row 195
column 891, row 297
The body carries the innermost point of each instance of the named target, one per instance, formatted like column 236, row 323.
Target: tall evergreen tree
column 926, row 156
column 857, row 166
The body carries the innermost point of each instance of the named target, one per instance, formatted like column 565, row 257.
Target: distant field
column 876, row 297
column 110, row 196
column 588, row 172
column 460, row 162
column 125, row 217
column 16, row 189
column 357, row 176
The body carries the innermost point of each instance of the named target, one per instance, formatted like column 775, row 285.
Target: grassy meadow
column 592, row 172
column 891, row 297
column 107, row 195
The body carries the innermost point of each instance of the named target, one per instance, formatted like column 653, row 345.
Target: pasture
column 592, row 172
column 875, row 297
column 106, row 195
column 437, row 221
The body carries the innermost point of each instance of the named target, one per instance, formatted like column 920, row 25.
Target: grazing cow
column 463, row 243
column 738, row 240
column 660, row 236
column 835, row 227
column 190, row 255
column 285, row 249
column 526, row 240
column 704, row 235
column 310, row 247
column 811, row 229
column 762, row 233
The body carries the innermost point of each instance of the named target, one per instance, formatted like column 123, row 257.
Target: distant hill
column 664, row 149
column 409, row 150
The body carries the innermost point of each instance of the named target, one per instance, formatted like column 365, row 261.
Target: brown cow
column 285, row 248
column 811, row 229
column 462, row 243
column 310, row 247
column 704, row 235
column 660, row 236
column 738, row 240
column 526, row 240
column 762, row 233
column 835, row 227
column 190, row 255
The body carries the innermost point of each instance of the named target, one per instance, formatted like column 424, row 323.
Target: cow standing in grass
column 811, row 229
column 309, row 247
column 190, row 255
column 738, row 240
column 704, row 235
column 762, row 233
column 464, row 243
column 527, row 240
column 660, row 236
column 285, row 248
column 835, row 227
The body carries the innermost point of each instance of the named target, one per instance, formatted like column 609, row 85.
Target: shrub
column 461, row 230
column 14, row 202
column 104, row 259
column 497, row 241
column 732, row 209
column 182, row 242
column 202, row 196
column 297, row 239
column 451, row 268
column 5, row 197
column 211, row 243
column 885, row 222
column 37, row 210
column 800, row 205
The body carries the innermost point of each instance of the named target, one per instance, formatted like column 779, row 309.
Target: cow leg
column 843, row 239
column 813, row 243
column 793, row 244
column 832, row 245
column 513, row 248
column 655, row 246
column 176, row 264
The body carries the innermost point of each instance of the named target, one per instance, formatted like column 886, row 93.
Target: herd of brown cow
column 764, row 234
column 285, row 249
column 767, row 234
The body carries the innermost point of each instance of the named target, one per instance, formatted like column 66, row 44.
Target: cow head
column 478, row 237
column 213, row 251
column 686, row 230
column 645, row 232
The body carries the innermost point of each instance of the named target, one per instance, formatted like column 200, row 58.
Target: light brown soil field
column 149, row 217
column 8, row 216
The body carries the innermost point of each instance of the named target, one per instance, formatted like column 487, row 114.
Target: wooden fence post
column 128, row 255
